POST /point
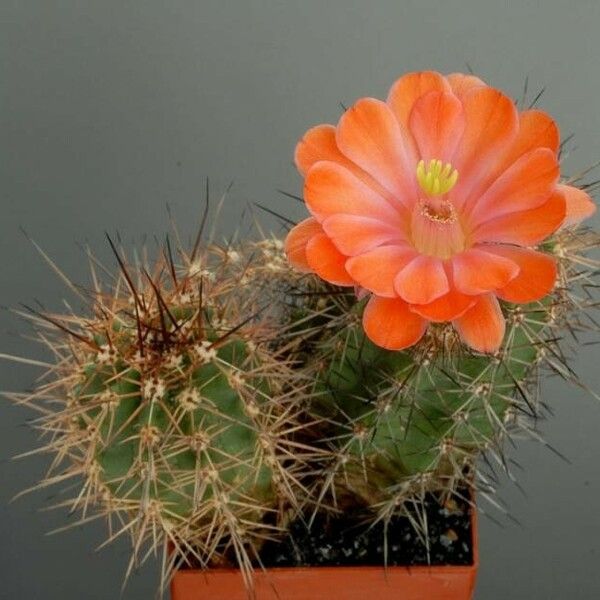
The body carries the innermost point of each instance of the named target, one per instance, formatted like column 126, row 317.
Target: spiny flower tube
column 436, row 203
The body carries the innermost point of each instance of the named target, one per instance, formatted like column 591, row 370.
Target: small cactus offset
column 173, row 404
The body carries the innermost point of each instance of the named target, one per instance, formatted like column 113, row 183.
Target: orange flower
column 431, row 202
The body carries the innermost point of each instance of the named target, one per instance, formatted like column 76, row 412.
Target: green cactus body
column 417, row 419
column 202, row 426
column 174, row 404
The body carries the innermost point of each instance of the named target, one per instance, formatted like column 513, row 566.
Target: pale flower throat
column 436, row 229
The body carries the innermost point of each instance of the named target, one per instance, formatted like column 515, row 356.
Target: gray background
column 109, row 110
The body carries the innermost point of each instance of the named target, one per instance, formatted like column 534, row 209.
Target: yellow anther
column 436, row 178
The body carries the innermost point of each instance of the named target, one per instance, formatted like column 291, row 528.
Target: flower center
column 436, row 228
column 436, row 178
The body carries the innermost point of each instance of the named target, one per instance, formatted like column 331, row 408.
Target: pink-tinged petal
column 476, row 271
column 422, row 280
column 482, row 327
column 528, row 183
column 448, row 307
column 409, row 88
column 376, row 270
column 317, row 144
column 579, row 205
column 462, row 84
column 297, row 240
column 354, row 235
column 389, row 323
column 491, row 123
column 327, row 261
column 331, row 189
column 525, row 228
column 536, row 278
column 369, row 135
column 437, row 123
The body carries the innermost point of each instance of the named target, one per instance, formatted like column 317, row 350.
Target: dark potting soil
column 340, row 541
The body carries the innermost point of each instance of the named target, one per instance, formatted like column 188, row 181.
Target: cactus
column 401, row 424
column 174, row 405
column 469, row 282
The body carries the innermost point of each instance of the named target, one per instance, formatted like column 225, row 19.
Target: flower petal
column 320, row 144
column 327, row 261
column 445, row 308
column 476, row 271
column 525, row 228
column 317, row 144
column 462, row 84
column 536, row 277
column 409, row 88
column 422, row 280
column 369, row 135
column 491, row 125
column 527, row 184
column 389, row 323
column 437, row 123
column 482, row 327
column 376, row 270
column 537, row 129
column 331, row 189
column 297, row 240
column 579, row 205
column 354, row 235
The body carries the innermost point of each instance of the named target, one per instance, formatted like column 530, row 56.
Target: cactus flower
column 432, row 203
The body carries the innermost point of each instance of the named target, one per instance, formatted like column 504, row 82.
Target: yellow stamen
column 436, row 178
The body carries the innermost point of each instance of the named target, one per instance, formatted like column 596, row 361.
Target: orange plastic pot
column 334, row 583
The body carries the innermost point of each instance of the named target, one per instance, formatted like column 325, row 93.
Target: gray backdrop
column 111, row 109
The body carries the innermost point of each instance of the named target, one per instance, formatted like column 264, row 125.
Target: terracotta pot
column 334, row 583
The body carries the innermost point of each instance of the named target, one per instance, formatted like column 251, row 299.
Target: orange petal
column 354, row 235
column 327, row 261
column 476, row 271
column 317, row 144
column 376, row 270
column 537, row 129
column 490, row 126
column 536, row 278
column 482, row 326
column 389, row 323
column 330, row 189
column 446, row 308
column 462, row 85
column 369, row 135
column 422, row 280
column 437, row 122
column 579, row 205
column 525, row 228
column 296, row 241
column 528, row 183
column 409, row 88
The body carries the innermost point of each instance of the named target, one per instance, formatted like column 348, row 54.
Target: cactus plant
column 172, row 403
column 405, row 423
column 430, row 346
